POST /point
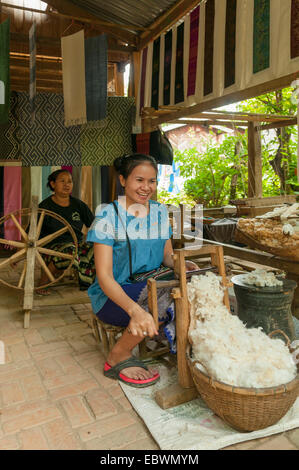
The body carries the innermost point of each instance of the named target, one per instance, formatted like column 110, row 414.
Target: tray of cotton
column 247, row 378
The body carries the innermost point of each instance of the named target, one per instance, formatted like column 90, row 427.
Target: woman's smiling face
column 63, row 185
column 140, row 184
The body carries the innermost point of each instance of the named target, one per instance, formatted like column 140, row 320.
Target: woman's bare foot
column 137, row 373
column 42, row 291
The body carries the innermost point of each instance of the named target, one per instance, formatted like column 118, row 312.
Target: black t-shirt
column 76, row 214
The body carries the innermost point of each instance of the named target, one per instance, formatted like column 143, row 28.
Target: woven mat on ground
column 193, row 426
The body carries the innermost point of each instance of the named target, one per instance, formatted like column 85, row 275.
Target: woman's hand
column 142, row 322
column 190, row 266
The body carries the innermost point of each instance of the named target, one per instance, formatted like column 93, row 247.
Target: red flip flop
column 115, row 373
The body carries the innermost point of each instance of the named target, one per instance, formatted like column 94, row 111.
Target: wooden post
column 182, row 320
column 255, row 188
column 29, row 279
column 119, row 82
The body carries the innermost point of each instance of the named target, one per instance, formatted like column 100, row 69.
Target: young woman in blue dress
column 115, row 298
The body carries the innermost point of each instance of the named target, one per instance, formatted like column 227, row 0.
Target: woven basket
column 284, row 252
column 245, row 409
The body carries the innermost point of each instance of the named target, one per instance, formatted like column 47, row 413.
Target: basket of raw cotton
column 246, row 377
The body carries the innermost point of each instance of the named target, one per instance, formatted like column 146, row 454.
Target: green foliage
column 284, row 140
column 175, row 199
column 220, row 172
column 208, row 174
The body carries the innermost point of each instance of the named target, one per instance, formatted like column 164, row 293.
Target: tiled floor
column 53, row 394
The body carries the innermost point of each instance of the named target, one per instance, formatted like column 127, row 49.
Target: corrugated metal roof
column 141, row 13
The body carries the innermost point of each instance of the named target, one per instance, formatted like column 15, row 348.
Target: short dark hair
column 125, row 165
column 53, row 177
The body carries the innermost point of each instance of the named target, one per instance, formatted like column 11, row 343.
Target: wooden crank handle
column 283, row 334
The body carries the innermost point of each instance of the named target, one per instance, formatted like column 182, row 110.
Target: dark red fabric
column 193, row 50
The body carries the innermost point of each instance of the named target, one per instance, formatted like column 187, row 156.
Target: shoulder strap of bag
column 128, row 240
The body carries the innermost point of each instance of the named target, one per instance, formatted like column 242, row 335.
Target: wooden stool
column 104, row 333
column 107, row 334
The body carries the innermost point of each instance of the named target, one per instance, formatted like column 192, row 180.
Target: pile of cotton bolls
column 229, row 351
column 262, row 278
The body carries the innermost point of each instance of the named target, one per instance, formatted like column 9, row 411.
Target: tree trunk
column 280, row 163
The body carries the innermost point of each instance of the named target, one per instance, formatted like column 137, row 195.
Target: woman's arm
column 168, row 258
column 168, row 254
column 141, row 321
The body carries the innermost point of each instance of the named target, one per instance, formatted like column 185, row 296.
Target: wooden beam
column 276, row 125
column 83, row 19
column 190, row 122
column 72, row 11
column 51, row 48
column 242, row 95
column 165, row 21
column 244, row 117
column 230, row 116
column 255, row 176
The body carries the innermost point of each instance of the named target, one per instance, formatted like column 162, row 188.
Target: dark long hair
column 125, row 165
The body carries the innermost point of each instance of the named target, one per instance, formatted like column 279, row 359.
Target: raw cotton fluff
column 262, row 278
column 229, row 351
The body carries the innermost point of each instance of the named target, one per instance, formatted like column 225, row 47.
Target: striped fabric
column 32, row 66
column 209, row 47
column 295, row 29
column 142, row 79
column 193, row 50
column 230, row 43
column 12, row 190
column 4, row 71
column 179, row 66
column 261, row 35
column 155, row 74
column 228, row 46
column 167, row 67
column 96, row 71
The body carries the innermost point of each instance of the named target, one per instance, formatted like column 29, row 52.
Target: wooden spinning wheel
column 30, row 250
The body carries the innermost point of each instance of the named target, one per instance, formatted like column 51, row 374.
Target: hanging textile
column 4, row 71
column 46, row 171
column 76, row 174
column 142, row 78
column 193, row 50
column 67, row 168
column 141, row 143
column 105, row 195
column 179, row 65
column 1, row 200
column 36, row 182
column 12, row 184
column 261, row 35
column 298, row 142
column 155, row 74
column 10, row 145
column 295, row 29
column 96, row 71
column 96, row 187
column 46, row 141
column 112, row 183
column 26, row 187
column 73, row 78
column 167, row 67
column 100, row 146
column 86, row 186
column 32, row 66
column 209, row 47
column 155, row 144
column 230, row 43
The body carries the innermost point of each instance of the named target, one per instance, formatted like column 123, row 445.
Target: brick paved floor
column 53, row 394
